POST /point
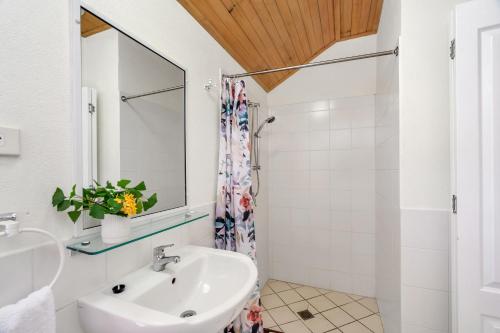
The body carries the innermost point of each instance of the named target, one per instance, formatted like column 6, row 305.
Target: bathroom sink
column 202, row 293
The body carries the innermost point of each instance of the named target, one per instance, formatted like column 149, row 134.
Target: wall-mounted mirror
column 133, row 114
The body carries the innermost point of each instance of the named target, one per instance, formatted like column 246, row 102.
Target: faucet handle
column 158, row 251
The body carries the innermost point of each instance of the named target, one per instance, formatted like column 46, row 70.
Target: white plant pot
column 115, row 229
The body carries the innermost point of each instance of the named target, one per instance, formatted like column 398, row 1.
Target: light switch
column 9, row 141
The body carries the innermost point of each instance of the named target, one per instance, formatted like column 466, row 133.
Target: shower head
column 267, row 121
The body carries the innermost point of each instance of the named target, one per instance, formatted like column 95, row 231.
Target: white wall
column 387, row 240
column 35, row 97
column 355, row 78
column 321, row 177
column 425, row 163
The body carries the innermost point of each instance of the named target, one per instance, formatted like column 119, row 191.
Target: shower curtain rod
column 318, row 63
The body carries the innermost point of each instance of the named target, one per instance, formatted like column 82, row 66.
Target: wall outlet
column 9, row 141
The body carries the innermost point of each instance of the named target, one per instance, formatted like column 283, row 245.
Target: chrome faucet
column 160, row 260
column 8, row 217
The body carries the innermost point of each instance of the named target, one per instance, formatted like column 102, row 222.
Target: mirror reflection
column 133, row 114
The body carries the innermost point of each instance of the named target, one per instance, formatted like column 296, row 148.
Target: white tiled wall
column 387, row 203
column 29, row 270
column 425, row 270
column 387, row 184
column 321, row 194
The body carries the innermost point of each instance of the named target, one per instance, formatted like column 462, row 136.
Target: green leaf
column 140, row 187
column 123, row 183
column 63, row 205
column 57, row 197
column 137, row 194
column 101, row 193
column 77, row 204
column 114, row 206
column 73, row 191
column 139, row 207
column 152, row 200
column 74, row 215
column 109, row 185
column 87, row 192
column 97, row 183
column 97, row 212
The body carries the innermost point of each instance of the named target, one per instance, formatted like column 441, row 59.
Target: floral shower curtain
column 234, row 224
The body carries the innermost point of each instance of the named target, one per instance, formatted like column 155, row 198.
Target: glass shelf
column 93, row 244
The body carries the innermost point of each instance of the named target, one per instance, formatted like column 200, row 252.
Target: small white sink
column 215, row 284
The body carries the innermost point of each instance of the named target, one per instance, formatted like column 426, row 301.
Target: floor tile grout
column 322, row 292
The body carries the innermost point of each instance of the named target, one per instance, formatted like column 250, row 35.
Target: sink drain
column 188, row 313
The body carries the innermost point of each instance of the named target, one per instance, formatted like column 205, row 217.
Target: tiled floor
column 334, row 312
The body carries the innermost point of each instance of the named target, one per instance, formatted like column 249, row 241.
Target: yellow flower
column 118, row 200
column 129, row 206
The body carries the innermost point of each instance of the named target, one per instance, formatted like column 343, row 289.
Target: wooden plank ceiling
column 265, row 34
column 91, row 24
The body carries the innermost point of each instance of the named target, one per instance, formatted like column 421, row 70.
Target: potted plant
column 113, row 205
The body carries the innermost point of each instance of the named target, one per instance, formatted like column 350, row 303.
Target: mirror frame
column 76, row 108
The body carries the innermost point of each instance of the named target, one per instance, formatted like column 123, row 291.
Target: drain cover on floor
column 305, row 314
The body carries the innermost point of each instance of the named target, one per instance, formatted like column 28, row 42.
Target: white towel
column 34, row 314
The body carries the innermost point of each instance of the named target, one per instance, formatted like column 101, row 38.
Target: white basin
column 216, row 284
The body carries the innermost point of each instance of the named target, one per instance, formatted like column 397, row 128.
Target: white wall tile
column 426, row 229
column 340, row 139
column 340, row 119
column 320, row 160
column 319, row 140
column 341, row 281
column 341, row 220
column 298, row 141
column 304, row 198
column 363, row 265
column 321, row 240
column 363, row 159
column 362, row 117
column 363, row 285
column 318, row 200
column 425, row 268
column 319, row 277
column 363, row 243
column 363, row 221
column 127, row 259
column 363, row 200
column 298, row 180
column 81, row 275
column 363, row 137
column 319, row 218
column 341, row 251
column 353, row 102
column 424, row 307
column 420, row 329
column 320, row 179
column 341, row 160
column 341, row 200
column 67, row 319
column 341, row 180
column 319, row 120
column 16, row 277
column 300, row 216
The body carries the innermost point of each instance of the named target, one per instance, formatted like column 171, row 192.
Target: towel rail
column 12, row 228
